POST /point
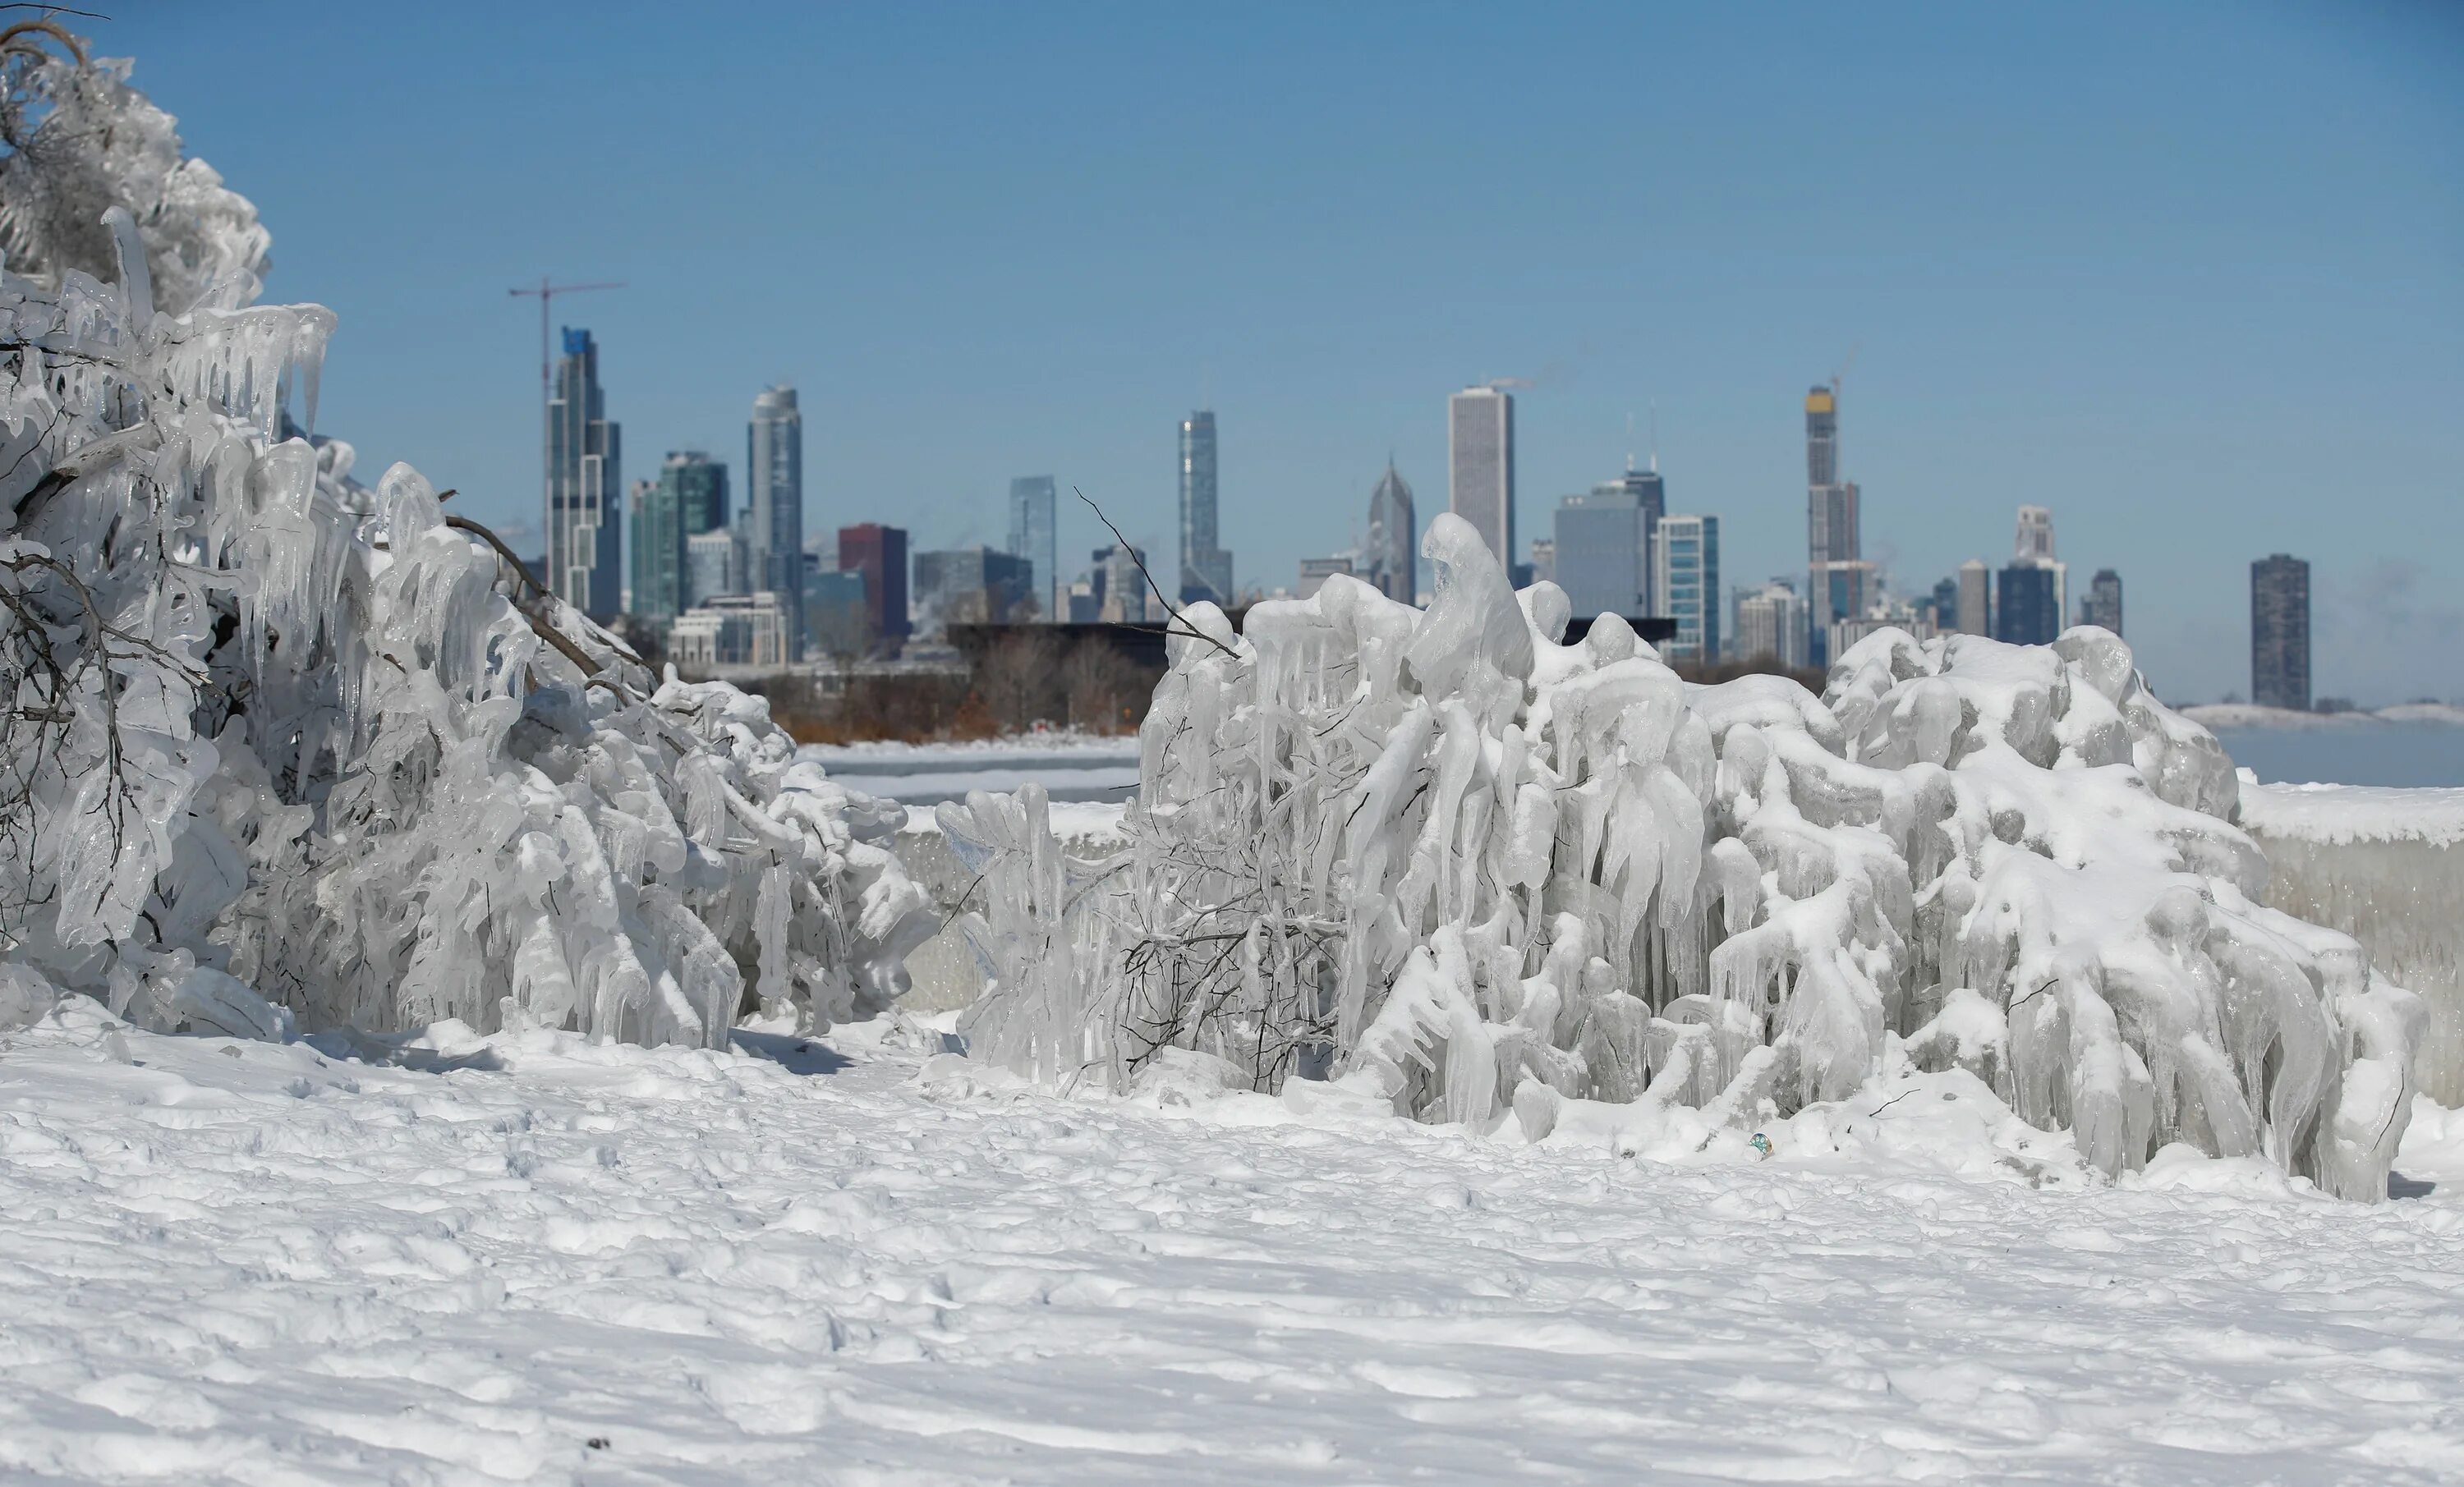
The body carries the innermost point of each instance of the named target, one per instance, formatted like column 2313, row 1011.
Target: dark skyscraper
column 2280, row 632
column 1205, row 568
column 1394, row 548
column 584, row 508
column 690, row 498
column 2104, row 604
column 880, row 554
column 2031, row 610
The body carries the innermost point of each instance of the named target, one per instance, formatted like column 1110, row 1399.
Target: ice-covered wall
column 2385, row 867
column 263, row 727
column 1464, row 869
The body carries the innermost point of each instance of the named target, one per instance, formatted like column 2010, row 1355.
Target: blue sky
column 2191, row 275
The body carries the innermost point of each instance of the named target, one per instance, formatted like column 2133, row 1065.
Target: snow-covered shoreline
column 533, row 1259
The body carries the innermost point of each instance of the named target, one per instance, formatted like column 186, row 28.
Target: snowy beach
column 532, row 1259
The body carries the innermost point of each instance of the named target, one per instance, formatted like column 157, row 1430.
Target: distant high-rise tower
column 1975, row 598
column 1205, row 567
column 1688, row 564
column 1650, row 498
column 1772, row 622
column 1601, row 551
column 585, row 495
column 1394, row 551
column 1479, row 469
column 774, row 477
column 689, row 499
column 2103, row 606
column 880, row 554
column 2280, row 632
column 1945, row 605
column 1030, row 537
column 2030, row 610
column 1837, row 576
column 2034, row 548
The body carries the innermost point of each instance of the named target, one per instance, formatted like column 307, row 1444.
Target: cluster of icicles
column 1441, row 858
column 277, row 748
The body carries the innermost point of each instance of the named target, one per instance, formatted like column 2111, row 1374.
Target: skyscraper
column 1392, row 552
column 1651, row 498
column 2034, row 548
column 880, row 554
column 1772, row 622
column 1838, row 577
column 1205, row 568
column 689, row 499
column 1030, row 537
column 2029, row 612
column 1686, row 566
column 774, row 477
column 2104, row 604
column 1600, row 552
column 2280, row 632
column 1945, row 605
column 1480, row 467
column 1975, row 598
column 584, row 490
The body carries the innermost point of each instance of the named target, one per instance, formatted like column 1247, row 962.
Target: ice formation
column 2386, row 867
column 1444, row 859
column 271, row 729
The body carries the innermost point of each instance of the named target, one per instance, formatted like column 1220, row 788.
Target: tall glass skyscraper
column 774, row 536
column 1836, row 570
column 1600, row 552
column 689, row 499
column 1479, row 467
column 1205, row 567
column 1031, row 501
column 584, row 510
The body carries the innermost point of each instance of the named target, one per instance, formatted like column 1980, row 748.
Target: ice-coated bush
column 1443, row 859
column 265, row 727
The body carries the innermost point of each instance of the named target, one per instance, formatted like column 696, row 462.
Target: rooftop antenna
column 1655, row 436
column 543, row 294
column 1629, row 444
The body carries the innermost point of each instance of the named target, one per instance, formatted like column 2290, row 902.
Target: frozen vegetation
column 1480, row 877
column 279, row 748
column 2386, row 867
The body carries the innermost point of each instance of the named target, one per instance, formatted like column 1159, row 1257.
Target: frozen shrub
column 266, row 726
column 1443, row 858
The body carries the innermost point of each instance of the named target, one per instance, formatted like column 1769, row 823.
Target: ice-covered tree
column 267, row 727
column 1469, row 870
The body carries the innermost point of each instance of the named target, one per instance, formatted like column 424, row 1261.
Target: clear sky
column 2191, row 275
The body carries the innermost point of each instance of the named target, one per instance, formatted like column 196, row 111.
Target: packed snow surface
column 2222, row 715
column 533, row 1259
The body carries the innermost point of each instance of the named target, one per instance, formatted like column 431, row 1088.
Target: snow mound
column 269, row 729
column 2342, row 814
column 1467, row 871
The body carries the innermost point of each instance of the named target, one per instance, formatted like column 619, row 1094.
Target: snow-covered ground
column 536, row 1259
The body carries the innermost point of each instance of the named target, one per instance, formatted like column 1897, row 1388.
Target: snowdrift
column 1449, row 863
column 269, row 731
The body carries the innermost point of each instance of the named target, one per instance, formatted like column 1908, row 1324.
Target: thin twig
column 1127, row 546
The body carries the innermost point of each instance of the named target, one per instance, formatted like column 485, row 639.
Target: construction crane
column 1842, row 375
column 544, row 293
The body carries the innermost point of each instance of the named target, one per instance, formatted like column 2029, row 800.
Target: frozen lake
column 2362, row 753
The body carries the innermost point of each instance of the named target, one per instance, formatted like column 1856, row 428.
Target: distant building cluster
column 725, row 581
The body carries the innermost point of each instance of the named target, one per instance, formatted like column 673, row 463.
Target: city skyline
column 2060, row 242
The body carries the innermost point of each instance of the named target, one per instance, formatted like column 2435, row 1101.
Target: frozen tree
column 267, row 727
column 1464, row 869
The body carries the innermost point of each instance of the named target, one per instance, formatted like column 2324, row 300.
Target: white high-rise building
column 774, row 528
column 1685, row 572
column 1772, row 622
column 1480, row 467
column 1975, row 598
